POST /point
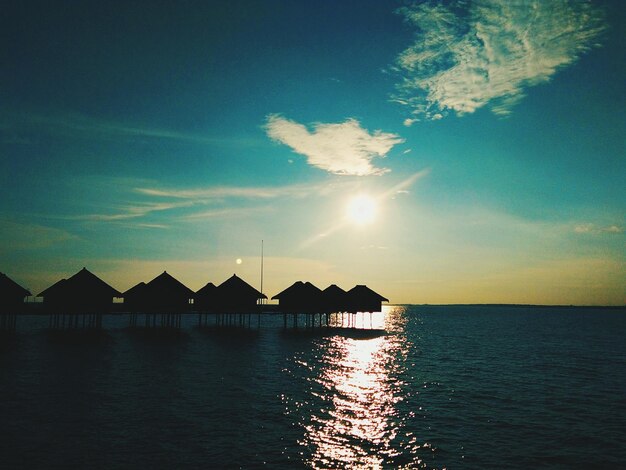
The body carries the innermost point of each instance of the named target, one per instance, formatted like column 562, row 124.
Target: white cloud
column 487, row 52
column 343, row 148
column 591, row 228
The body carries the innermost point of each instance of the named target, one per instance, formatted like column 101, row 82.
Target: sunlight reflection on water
column 358, row 381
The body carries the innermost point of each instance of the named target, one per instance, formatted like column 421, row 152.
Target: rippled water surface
column 441, row 387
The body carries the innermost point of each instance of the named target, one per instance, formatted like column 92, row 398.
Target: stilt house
column 236, row 295
column 205, row 298
column 84, row 292
column 12, row 295
column 300, row 297
column 363, row 299
column 163, row 294
column 334, row 299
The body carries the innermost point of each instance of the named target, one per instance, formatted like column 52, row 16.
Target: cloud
column 487, row 52
column 222, row 192
column 343, row 148
column 84, row 126
column 134, row 211
column 190, row 204
column 591, row 228
column 19, row 236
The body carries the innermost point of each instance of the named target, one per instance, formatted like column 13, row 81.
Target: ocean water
column 444, row 387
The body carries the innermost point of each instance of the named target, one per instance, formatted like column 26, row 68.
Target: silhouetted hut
column 236, row 295
column 163, row 294
column 205, row 298
column 363, row 299
column 82, row 294
column 12, row 297
column 133, row 298
column 300, row 297
column 334, row 299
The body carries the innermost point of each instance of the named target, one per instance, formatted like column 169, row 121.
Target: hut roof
column 136, row 289
column 300, row 289
column 364, row 292
column 207, row 290
column 8, row 287
column 235, row 286
column 334, row 293
column 84, row 282
column 53, row 288
column 165, row 283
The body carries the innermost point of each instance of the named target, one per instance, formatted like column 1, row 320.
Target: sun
column 361, row 209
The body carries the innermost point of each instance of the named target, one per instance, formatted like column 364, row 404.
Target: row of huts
column 86, row 293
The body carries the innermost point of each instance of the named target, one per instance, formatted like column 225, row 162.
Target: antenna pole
column 261, row 269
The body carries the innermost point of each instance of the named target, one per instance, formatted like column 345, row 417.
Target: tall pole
column 261, row 269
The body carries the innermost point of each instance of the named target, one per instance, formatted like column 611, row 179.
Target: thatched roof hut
column 205, row 297
column 134, row 296
column 363, row 299
column 163, row 294
column 12, row 295
column 334, row 299
column 300, row 297
column 236, row 295
column 84, row 292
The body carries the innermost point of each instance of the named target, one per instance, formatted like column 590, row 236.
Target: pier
column 82, row 301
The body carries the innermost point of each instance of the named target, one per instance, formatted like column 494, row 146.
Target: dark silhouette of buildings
column 163, row 294
column 83, row 296
column 233, row 302
column 334, row 299
column 204, row 300
column 304, row 297
column 84, row 292
column 12, row 297
column 363, row 299
column 236, row 295
column 300, row 297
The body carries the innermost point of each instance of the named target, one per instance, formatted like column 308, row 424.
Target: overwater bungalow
column 164, row 296
column 236, row 295
column 300, row 297
column 12, row 297
column 363, row 299
column 204, row 300
column 82, row 294
column 134, row 298
column 334, row 299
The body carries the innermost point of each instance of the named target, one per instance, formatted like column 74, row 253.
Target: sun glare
column 361, row 210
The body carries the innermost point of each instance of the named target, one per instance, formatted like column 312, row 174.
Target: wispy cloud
column 135, row 211
column 487, row 52
column 226, row 212
column 591, row 228
column 19, row 236
column 222, row 192
column 193, row 204
column 340, row 148
column 84, row 126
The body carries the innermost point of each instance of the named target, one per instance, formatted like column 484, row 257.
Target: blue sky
column 488, row 136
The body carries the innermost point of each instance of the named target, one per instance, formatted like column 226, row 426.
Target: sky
column 439, row 152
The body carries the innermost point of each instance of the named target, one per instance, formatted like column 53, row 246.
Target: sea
column 433, row 387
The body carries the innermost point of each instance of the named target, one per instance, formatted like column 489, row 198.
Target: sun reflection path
column 360, row 383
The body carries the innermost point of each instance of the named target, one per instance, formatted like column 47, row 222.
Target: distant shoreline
column 604, row 307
